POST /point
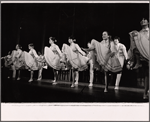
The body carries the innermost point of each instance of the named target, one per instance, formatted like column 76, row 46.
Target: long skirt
column 141, row 42
column 108, row 63
column 76, row 60
column 32, row 63
column 52, row 59
column 8, row 63
column 19, row 63
column 9, row 60
column 121, row 60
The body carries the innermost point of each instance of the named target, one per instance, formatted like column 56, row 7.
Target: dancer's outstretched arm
column 59, row 51
column 125, row 52
column 92, row 47
column 87, row 49
column 79, row 49
column 35, row 53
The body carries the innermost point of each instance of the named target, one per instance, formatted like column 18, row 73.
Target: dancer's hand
column 2, row 57
column 128, row 66
column 87, row 50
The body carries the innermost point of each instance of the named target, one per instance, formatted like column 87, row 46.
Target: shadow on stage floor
column 44, row 91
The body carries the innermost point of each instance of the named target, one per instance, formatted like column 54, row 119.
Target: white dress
column 103, row 54
column 19, row 60
column 121, row 52
column 75, row 56
column 32, row 60
column 139, row 40
column 52, row 56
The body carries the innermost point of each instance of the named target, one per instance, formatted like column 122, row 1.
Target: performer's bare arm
column 79, row 49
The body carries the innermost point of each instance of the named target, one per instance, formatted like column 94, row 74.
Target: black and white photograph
column 90, row 56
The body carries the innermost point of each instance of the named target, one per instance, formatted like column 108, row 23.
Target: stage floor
column 44, row 91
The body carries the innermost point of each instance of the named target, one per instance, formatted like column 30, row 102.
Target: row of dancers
column 109, row 55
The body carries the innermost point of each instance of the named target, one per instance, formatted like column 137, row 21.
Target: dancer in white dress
column 121, row 54
column 18, row 61
column 105, row 57
column 76, row 57
column 14, row 61
column 92, row 63
column 139, row 52
column 53, row 56
column 33, row 62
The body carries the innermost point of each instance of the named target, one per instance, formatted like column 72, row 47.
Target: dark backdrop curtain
column 35, row 23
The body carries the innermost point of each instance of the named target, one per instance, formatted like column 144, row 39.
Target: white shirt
column 75, row 47
column 33, row 53
column 120, row 50
column 56, row 49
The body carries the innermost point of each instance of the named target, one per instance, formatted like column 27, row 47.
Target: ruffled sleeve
column 34, row 53
column 79, row 49
column 125, row 52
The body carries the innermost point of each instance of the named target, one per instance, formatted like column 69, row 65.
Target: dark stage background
column 35, row 23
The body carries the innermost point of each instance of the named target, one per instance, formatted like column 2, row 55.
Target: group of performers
column 109, row 55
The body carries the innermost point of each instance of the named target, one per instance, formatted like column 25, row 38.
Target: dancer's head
column 52, row 40
column 116, row 40
column 71, row 39
column 105, row 35
column 144, row 23
column 31, row 46
column 18, row 46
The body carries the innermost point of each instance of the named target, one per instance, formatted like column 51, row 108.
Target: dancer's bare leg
column 31, row 76
column 55, row 76
column 106, row 82
column 40, row 74
column 118, row 81
column 76, row 77
column 18, row 75
column 91, row 73
column 118, row 78
column 14, row 72
column 73, row 77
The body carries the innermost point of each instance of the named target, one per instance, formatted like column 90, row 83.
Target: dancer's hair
column 53, row 39
column 116, row 37
column 71, row 37
column 31, row 45
column 20, row 47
